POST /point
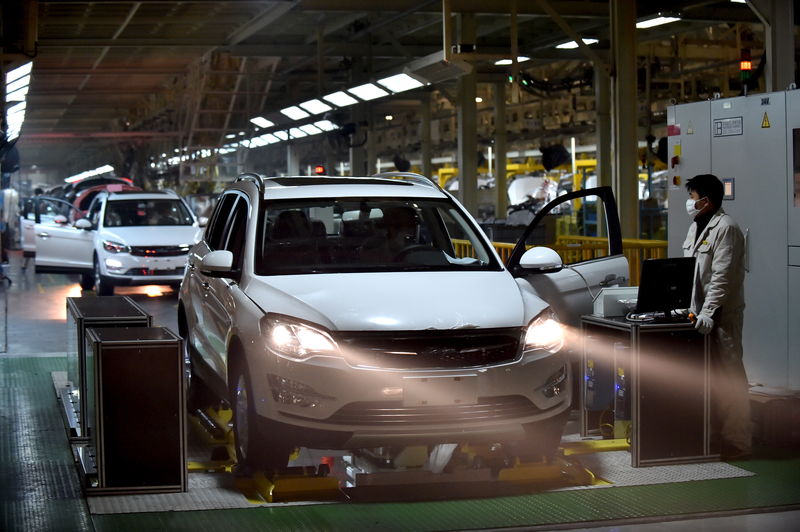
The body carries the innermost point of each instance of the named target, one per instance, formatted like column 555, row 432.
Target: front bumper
column 126, row 269
column 356, row 407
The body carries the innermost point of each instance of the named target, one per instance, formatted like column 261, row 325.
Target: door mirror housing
column 541, row 259
column 60, row 219
column 202, row 221
column 218, row 263
column 84, row 224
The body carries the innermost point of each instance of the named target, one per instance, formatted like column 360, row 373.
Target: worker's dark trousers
column 730, row 402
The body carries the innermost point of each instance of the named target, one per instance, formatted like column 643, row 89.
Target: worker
column 400, row 227
column 717, row 244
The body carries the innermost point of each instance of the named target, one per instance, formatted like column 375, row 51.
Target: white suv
column 346, row 313
column 126, row 238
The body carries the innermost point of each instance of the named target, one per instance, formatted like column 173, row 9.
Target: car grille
column 395, row 414
column 145, row 271
column 159, row 251
column 431, row 349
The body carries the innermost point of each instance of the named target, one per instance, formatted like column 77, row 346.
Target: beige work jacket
column 718, row 290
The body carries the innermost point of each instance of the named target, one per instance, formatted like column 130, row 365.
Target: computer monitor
column 665, row 285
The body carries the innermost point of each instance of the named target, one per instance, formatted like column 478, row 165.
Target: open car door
column 571, row 250
column 60, row 246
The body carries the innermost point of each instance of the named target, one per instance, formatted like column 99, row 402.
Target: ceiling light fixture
column 504, row 62
column 15, row 116
column 17, row 73
column 569, row 45
column 340, row 99
column 262, row 122
column 89, row 173
column 368, row 91
column 311, row 129
column 295, row 113
column 316, row 107
column 656, row 20
column 326, row 125
column 400, row 83
column 297, row 133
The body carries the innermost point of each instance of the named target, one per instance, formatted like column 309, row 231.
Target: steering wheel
column 408, row 250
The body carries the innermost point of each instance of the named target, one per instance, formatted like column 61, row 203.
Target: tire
column 102, row 285
column 87, row 281
column 542, row 438
column 198, row 395
column 255, row 451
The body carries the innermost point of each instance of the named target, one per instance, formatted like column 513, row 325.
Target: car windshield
column 367, row 234
column 141, row 212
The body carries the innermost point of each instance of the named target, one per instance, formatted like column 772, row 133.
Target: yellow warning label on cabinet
column 765, row 121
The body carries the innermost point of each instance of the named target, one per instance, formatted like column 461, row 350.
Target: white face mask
column 691, row 210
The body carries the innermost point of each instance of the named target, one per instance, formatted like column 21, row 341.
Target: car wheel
column 102, row 285
column 198, row 395
column 254, row 451
column 542, row 438
column 87, row 281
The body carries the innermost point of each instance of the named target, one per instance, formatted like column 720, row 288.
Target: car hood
column 395, row 301
column 172, row 235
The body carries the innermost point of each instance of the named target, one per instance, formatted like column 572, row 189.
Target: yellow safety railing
column 581, row 248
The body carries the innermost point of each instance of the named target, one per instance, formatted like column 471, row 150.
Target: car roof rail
column 255, row 178
column 410, row 176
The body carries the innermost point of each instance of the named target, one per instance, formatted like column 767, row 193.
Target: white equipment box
column 615, row 301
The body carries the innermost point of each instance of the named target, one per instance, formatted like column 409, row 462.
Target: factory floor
column 40, row 488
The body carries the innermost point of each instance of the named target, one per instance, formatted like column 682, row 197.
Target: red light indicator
column 319, row 170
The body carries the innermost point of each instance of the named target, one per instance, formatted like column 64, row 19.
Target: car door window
column 591, row 252
column 94, row 211
column 215, row 232
column 49, row 208
column 235, row 231
column 581, row 226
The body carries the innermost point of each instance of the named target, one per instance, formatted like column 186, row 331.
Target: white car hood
column 394, row 301
column 172, row 235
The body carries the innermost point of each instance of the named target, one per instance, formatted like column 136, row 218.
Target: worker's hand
column 704, row 324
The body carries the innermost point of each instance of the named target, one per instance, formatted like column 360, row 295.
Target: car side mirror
column 217, row 263
column 84, row 224
column 202, row 221
column 59, row 219
column 541, row 259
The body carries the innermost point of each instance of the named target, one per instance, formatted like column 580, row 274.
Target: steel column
column 372, row 145
column 778, row 19
column 292, row 159
column 501, row 200
column 624, row 119
column 468, row 124
column 425, row 136
column 602, row 95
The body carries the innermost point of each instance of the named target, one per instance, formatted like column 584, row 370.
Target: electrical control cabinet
column 136, row 407
column 660, row 389
column 752, row 143
column 84, row 313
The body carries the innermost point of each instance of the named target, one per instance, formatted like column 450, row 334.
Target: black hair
column 707, row 186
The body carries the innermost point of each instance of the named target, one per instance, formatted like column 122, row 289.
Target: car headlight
column 297, row 340
column 115, row 247
column 545, row 332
